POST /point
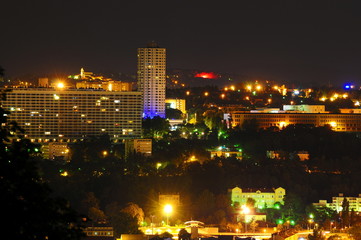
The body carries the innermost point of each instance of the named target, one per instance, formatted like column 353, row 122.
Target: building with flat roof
column 176, row 103
column 345, row 122
column 142, row 146
column 68, row 115
column 152, row 79
column 336, row 204
column 263, row 197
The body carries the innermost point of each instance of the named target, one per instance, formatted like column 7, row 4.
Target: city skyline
column 308, row 42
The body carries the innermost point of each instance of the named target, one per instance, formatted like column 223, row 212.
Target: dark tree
column 345, row 214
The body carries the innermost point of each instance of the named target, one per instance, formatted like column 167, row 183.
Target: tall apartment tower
column 152, row 79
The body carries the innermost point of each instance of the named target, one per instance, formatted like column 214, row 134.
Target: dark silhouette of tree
column 28, row 208
column 184, row 235
column 121, row 221
column 172, row 113
column 316, row 235
column 345, row 213
column 155, row 127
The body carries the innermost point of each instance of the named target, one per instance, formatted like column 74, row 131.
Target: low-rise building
column 340, row 122
column 226, row 152
column 263, row 197
column 336, row 204
column 142, row 146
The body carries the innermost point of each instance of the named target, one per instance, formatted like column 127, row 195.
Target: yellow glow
column 245, row 210
column 247, row 98
column 188, row 92
column 56, row 97
column 332, row 99
column 323, row 99
column 168, row 209
column 283, row 124
column 249, row 87
column 233, row 88
column 110, row 87
column 105, row 153
column 226, row 89
column 335, row 95
column 159, row 165
column 275, row 87
column 269, row 100
column 258, row 87
column 357, row 103
column 333, row 124
column 223, row 95
column 206, row 94
column 60, row 85
column 345, row 96
column 64, row 174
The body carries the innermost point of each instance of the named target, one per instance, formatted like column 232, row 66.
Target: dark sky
column 298, row 41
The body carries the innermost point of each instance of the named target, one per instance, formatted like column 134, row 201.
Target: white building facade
column 152, row 79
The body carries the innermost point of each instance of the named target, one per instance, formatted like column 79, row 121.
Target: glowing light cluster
column 206, row 75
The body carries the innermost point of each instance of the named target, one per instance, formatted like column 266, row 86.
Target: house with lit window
column 264, row 198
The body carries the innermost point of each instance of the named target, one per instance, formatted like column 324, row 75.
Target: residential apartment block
column 152, row 79
column 336, row 204
column 67, row 115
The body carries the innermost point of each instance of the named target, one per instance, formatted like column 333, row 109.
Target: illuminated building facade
column 263, row 197
column 141, row 146
column 336, row 204
column 152, row 79
column 305, row 108
column 176, row 103
column 68, row 115
column 338, row 122
column 172, row 199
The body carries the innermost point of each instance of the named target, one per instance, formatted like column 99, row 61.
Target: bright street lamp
column 168, row 209
column 245, row 210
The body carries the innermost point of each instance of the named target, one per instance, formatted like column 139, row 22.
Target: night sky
column 294, row 41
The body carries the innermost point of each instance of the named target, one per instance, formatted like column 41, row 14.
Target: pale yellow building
column 176, row 103
column 336, row 204
column 142, row 146
column 263, row 197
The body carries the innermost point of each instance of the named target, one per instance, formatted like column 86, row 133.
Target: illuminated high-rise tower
column 152, row 79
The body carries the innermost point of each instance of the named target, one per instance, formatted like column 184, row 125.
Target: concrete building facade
column 338, row 122
column 152, row 79
column 68, row 115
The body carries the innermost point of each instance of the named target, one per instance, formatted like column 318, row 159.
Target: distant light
column 168, row 209
column 245, row 209
column 333, row 124
column 296, row 92
column 60, row 85
column 206, row 75
column 348, row 86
